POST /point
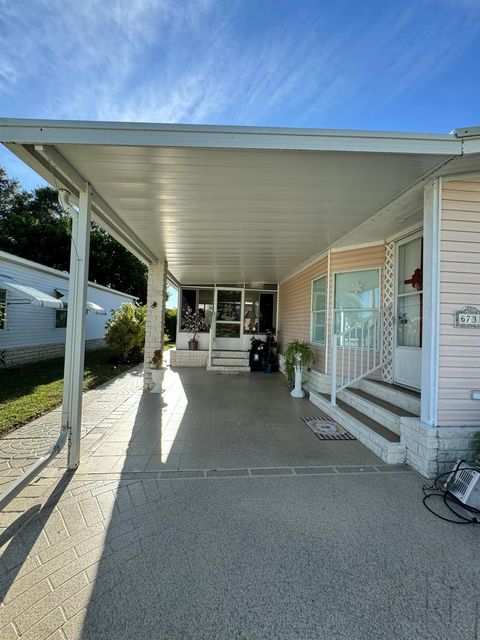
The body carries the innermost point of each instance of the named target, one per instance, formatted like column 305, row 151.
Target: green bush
column 125, row 333
column 171, row 324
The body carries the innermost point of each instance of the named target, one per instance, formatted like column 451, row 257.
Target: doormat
column 326, row 428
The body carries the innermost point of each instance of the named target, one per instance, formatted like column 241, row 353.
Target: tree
column 35, row 227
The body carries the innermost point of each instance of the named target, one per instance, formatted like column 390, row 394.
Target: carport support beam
column 76, row 317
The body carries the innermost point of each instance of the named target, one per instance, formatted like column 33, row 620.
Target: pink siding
column 295, row 293
column 294, row 309
column 459, row 366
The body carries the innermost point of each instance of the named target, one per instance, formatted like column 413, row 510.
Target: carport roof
column 231, row 204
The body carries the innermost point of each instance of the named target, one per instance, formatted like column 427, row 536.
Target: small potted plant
column 298, row 356
column 193, row 323
column 157, row 370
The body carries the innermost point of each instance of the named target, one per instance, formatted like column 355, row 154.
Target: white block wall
column 156, row 288
column 182, row 358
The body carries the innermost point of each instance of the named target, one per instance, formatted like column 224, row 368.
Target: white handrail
column 211, row 338
column 361, row 352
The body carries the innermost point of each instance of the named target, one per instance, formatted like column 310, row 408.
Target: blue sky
column 372, row 64
column 375, row 64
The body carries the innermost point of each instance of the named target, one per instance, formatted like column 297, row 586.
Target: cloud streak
column 206, row 61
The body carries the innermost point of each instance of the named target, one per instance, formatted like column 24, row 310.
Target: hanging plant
column 297, row 353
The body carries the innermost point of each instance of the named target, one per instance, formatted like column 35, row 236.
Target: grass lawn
column 28, row 392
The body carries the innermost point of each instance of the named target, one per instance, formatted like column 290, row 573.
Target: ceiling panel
column 243, row 215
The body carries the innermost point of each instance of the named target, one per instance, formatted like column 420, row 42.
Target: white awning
column 91, row 306
column 30, row 295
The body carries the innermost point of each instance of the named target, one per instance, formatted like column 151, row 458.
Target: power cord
column 449, row 500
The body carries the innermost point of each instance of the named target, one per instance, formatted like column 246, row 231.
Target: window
column 61, row 317
column 3, row 308
column 319, row 311
column 189, row 304
column 205, row 304
column 357, row 297
column 251, row 312
column 197, row 301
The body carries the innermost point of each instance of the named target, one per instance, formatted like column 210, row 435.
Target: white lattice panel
column 389, row 311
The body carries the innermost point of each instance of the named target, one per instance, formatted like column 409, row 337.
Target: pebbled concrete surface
column 314, row 541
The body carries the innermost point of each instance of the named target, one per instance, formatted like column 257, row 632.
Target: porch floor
column 212, row 512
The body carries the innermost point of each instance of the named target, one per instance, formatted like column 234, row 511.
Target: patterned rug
column 326, row 428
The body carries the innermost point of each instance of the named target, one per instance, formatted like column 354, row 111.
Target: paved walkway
column 212, row 512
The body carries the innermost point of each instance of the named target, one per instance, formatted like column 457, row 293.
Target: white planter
column 297, row 391
column 157, row 378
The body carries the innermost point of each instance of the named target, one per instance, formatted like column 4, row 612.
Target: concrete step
column 385, row 413
column 394, row 394
column 217, row 353
column 230, row 362
column 375, row 436
column 228, row 369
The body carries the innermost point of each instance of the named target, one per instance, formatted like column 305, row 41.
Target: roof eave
column 20, row 131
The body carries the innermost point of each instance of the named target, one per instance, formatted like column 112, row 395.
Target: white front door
column 228, row 319
column 408, row 319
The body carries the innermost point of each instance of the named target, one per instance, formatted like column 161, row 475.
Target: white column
column 75, row 336
column 156, row 290
column 431, row 300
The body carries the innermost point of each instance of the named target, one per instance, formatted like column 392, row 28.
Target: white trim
column 353, row 247
column 431, row 300
column 277, row 315
column 325, row 311
column 405, row 233
column 329, row 293
column 404, row 240
column 53, row 132
column 9, row 257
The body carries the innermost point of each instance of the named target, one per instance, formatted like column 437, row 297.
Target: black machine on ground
column 263, row 354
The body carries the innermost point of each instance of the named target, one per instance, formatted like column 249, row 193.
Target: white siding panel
column 28, row 325
column 459, row 363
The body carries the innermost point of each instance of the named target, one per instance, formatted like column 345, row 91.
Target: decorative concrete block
column 184, row 358
column 156, row 290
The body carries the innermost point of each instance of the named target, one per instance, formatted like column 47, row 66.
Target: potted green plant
column 193, row 323
column 298, row 356
column 157, row 370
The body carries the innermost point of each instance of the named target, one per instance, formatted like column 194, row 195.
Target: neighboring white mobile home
column 33, row 311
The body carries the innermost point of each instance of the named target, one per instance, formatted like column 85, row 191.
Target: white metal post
column 432, row 208
column 333, row 395
column 76, row 316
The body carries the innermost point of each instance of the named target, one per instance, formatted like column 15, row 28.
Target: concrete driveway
column 213, row 512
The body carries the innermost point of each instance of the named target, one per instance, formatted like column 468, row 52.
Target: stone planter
column 157, row 378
